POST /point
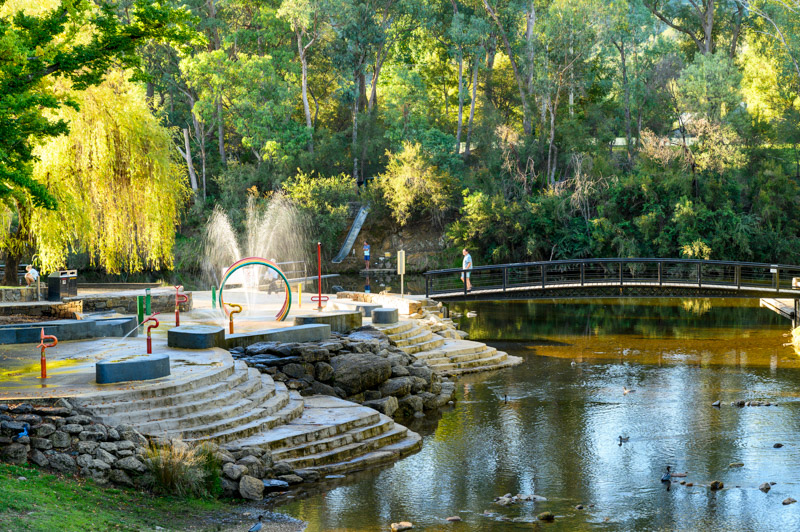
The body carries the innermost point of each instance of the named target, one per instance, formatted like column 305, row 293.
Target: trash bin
column 61, row 284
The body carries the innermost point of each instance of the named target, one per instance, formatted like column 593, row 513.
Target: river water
column 551, row 426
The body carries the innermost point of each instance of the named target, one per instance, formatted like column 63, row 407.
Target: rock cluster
column 249, row 473
column 66, row 440
column 509, row 499
column 360, row 366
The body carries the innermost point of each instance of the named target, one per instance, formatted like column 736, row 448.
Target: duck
column 666, row 477
column 257, row 527
column 573, row 364
column 623, row 439
column 626, row 391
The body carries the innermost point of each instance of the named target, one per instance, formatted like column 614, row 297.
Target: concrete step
column 395, row 328
column 507, row 363
column 321, row 445
column 349, row 451
column 112, row 403
column 257, row 397
column 421, row 335
column 490, row 361
column 433, row 343
column 388, row 454
column 489, row 352
column 324, row 417
column 161, row 389
column 242, row 428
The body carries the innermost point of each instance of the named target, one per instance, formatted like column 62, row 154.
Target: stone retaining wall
column 162, row 300
column 68, row 440
column 23, row 293
column 64, row 311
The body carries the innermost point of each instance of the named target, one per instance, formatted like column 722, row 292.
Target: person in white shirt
column 466, row 264
column 32, row 275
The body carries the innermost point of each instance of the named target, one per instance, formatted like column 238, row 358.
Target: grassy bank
column 46, row 502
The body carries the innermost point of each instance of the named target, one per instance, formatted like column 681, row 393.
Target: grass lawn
column 46, row 502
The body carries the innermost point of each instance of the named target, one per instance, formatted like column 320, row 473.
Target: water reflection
column 557, row 435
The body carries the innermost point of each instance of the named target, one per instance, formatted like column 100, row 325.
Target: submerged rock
column 402, row 525
column 765, row 487
column 717, row 485
column 777, row 446
column 546, row 516
column 788, row 501
column 454, row 519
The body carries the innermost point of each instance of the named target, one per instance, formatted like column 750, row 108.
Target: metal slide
column 352, row 235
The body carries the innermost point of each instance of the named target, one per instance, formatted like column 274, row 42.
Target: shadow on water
column 551, row 426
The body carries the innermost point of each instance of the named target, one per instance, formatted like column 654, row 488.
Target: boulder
column 716, row 485
column 127, row 432
column 72, row 428
column 84, row 460
column 400, row 371
column 291, row 479
column 60, row 439
column 255, row 467
column 386, row 405
column 118, row 476
column 423, row 372
column 308, row 475
column 546, row 516
column 94, row 433
column 41, row 443
column 44, row 430
column 409, row 405
column 372, row 395
column 251, row 488
column 788, row 501
column 234, row 471
column 282, row 468
column 296, row 371
column 16, row 454
column 105, row 456
column 131, row 464
column 311, row 353
column 39, row 458
column 397, row 387
column 79, row 420
column 87, row 447
column 230, row 488
column 273, row 484
column 276, row 349
column 323, row 371
column 319, row 388
column 429, row 401
column 765, row 487
column 357, row 372
column 418, row 385
column 63, row 463
column 402, row 525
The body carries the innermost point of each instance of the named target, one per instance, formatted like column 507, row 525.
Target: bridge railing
column 623, row 272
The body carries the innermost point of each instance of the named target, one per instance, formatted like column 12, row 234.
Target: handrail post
column 544, row 275
column 738, row 276
column 583, row 272
column 699, row 273
column 427, row 286
column 620, row 273
column 660, row 267
column 505, row 278
column 777, row 279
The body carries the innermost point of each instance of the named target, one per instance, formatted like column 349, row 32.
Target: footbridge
column 638, row 277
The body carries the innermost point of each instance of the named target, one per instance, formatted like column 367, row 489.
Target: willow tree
column 117, row 180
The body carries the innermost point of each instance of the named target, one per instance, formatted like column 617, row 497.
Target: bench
column 348, row 304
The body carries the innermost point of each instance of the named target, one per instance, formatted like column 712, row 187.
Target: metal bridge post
column 699, row 273
column 738, row 276
column 796, row 315
column 583, row 272
column 544, row 276
column 505, row 278
column 427, row 286
column 777, row 279
column 620, row 273
column 660, row 266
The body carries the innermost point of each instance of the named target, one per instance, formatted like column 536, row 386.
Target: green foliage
column 179, row 469
column 709, row 85
column 413, row 186
column 323, row 203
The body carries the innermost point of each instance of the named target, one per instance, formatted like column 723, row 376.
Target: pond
column 551, row 426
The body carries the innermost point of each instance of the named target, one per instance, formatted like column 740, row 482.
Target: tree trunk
column 708, row 28
column 526, row 119
column 17, row 244
column 10, row 277
column 356, row 97
column 460, row 99
column 491, row 51
column 626, row 88
column 221, row 133
column 187, row 156
column 304, row 91
column 472, row 106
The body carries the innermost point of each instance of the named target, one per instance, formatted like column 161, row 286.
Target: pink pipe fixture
column 44, row 346
column 179, row 298
column 149, row 327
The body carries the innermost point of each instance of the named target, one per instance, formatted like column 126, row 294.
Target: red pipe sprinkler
column 45, row 346
column 149, row 327
column 179, row 298
column 319, row 298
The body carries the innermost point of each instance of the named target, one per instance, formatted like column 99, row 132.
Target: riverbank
column 31, row 499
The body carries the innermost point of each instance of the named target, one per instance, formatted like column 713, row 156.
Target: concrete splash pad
column 71, row 367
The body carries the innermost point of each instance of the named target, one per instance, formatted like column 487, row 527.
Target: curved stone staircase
column 235, row 407
column 435, row 340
